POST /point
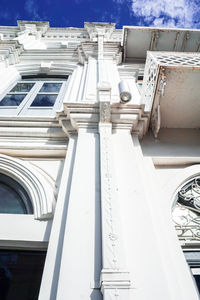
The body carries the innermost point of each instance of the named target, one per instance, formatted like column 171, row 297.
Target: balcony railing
column 174, row 76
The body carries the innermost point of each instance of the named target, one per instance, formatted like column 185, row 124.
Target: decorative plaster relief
column 110, row 236
column 115, row 281
column 105, row 112
column 186, row 212
column 95, row 29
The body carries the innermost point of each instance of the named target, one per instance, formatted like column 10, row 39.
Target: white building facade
column 99, row 162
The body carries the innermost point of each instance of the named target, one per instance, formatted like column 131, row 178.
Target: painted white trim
column 38, row 187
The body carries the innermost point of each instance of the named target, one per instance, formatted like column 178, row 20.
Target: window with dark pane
column 13, row 197
column 22, row 87
column 196, row 278
column 12, row 100
column 17, row 94
column 20, row 274
column 193, row 260
column 51, row 87
column 47, row 94
column 34, row 92
column 44, row 100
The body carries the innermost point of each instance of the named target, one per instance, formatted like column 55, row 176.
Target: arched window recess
column 33, row 192
column 186, row 211
column 186, row 217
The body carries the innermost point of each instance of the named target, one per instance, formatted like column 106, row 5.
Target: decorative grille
column 176, row 59
column 186, row 213
column 154, row 61
column 149, row 82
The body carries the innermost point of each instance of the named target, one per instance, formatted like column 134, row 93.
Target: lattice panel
column 178, row 59
column 159, row 59
column 149, row 82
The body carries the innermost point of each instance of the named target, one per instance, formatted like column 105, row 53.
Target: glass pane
column 197, row 279
column 22, row 87
column 51, row 87
column 20, row 274
column 12, row 100
column 44, row 100
column 10, row 201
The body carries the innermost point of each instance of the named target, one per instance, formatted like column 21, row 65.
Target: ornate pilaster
column 115, row 282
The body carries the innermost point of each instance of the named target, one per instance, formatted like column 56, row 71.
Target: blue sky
column 64, row 13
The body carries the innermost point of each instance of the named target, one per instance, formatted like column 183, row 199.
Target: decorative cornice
column 32, row 137
column 112, row 50
column 10, row 52
column 45, row 66
column 122, row 117
column 36, row 28
column 95, row 29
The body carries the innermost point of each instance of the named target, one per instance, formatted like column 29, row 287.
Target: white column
column 80, row 263
column 48, row 289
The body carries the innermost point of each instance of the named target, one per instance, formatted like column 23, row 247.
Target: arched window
column 39, row 198
column 186, row 211
column 13, row 197
column 186, row 217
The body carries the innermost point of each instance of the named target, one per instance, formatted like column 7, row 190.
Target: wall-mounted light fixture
column 125, row 95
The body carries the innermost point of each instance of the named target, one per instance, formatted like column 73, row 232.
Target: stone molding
column 39, row 188
column 95, row 29
column 10, row 52
column 122, row 116
column 112, row 51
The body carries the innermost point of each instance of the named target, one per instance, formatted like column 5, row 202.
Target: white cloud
column 120, row 1
column 168, row 13
column 31, row 8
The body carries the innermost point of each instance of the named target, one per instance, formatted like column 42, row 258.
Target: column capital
column 131, row 118
column 112, row 51
column 96, row 29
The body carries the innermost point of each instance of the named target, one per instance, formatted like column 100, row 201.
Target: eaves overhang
column 136, row 41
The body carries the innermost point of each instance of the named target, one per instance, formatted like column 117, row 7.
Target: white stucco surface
column 101, row 183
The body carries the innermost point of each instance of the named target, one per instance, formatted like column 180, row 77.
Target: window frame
column 25, row 108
